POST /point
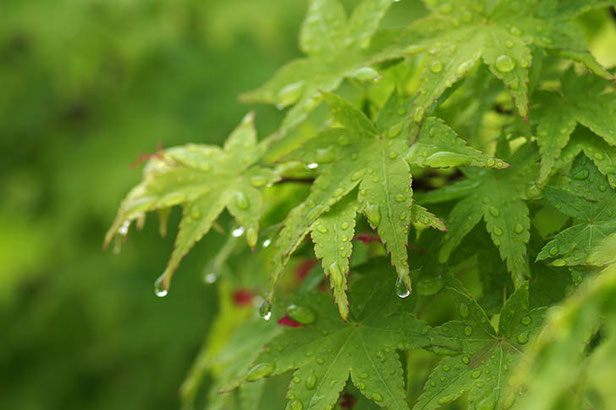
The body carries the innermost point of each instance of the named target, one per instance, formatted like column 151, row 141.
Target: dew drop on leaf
column 522, row 338
column 468, row 330
column 494, row 211
column 464, row 311
column 301, row 314
column 559, row 262
column 289, row 94
column 476, row 374
column 519, row 228
column 259, row 371
column 240, row 200
column 258, row 181
column 504, row 64
column 373, row 213
column 366, row 74
column 377, row 397
column 436, row 67
column 311, row 381
column 526, row 320
column 325, row 155
column 581, row 175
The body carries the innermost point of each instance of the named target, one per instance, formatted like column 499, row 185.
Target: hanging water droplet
column 301, row 314
column 446, row 159
column 160, row 288
column 251, row 237
column 504, row 64
column 312, row 165
column 123, row 230
column 236, row 233
column 265, row 311
column 559, row 262
column 401, row 289
column 259, row 371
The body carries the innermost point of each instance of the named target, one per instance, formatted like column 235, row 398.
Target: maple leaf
column 499, row 197
column 374, row 157
column 336, row 48
column 586, row 196
column 203, row 179
column 485, row 357
column 584, row 101
column 458, row 34
column 326, row 351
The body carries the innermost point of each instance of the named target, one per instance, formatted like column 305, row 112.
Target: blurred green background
column 85, row 87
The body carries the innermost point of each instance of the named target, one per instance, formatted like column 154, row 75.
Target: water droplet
column 172, row 199
column 446, row 368
column 251, row 237
column 395, row 130
column 301, row 314
column 465, row 360
column 519, row 228
column 504, row 64
column 160, row 288
column 290, row 94
column 497, row 231
column 436, row 67
column 343, row 141
column 345, row 225
column 259, row 371
column 267, row 243
column 325, row 155
column 240, row 200
column 123, row 230
column 401, row 289
column 322, row 229
column 509, row 44
column 236, row 233
column 445, row 8
column 366, row 74
column 195, row 212
column 446, row 159
column 265, row 311
column 554, row 250
column 258, row 181
column 464, row 311
column 419, row 113
column 312, row 165
column 522, row 338
column 393, row 155
column 311, row 381
column 494, row 211
column 373, row 213
column 581, row 174
column 526, row 320
column 377, row 397
column 468, row 330
column 476, row 374
column 515, row 31
column 559, row 262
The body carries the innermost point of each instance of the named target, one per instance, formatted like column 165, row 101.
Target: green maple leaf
column 374, row 157
column 486, row 356
column 586, row 196
column 584, row 101
column 458, row 34
column 336, row 47
column 499, row 197
column 326, row 351
column 204, row 180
